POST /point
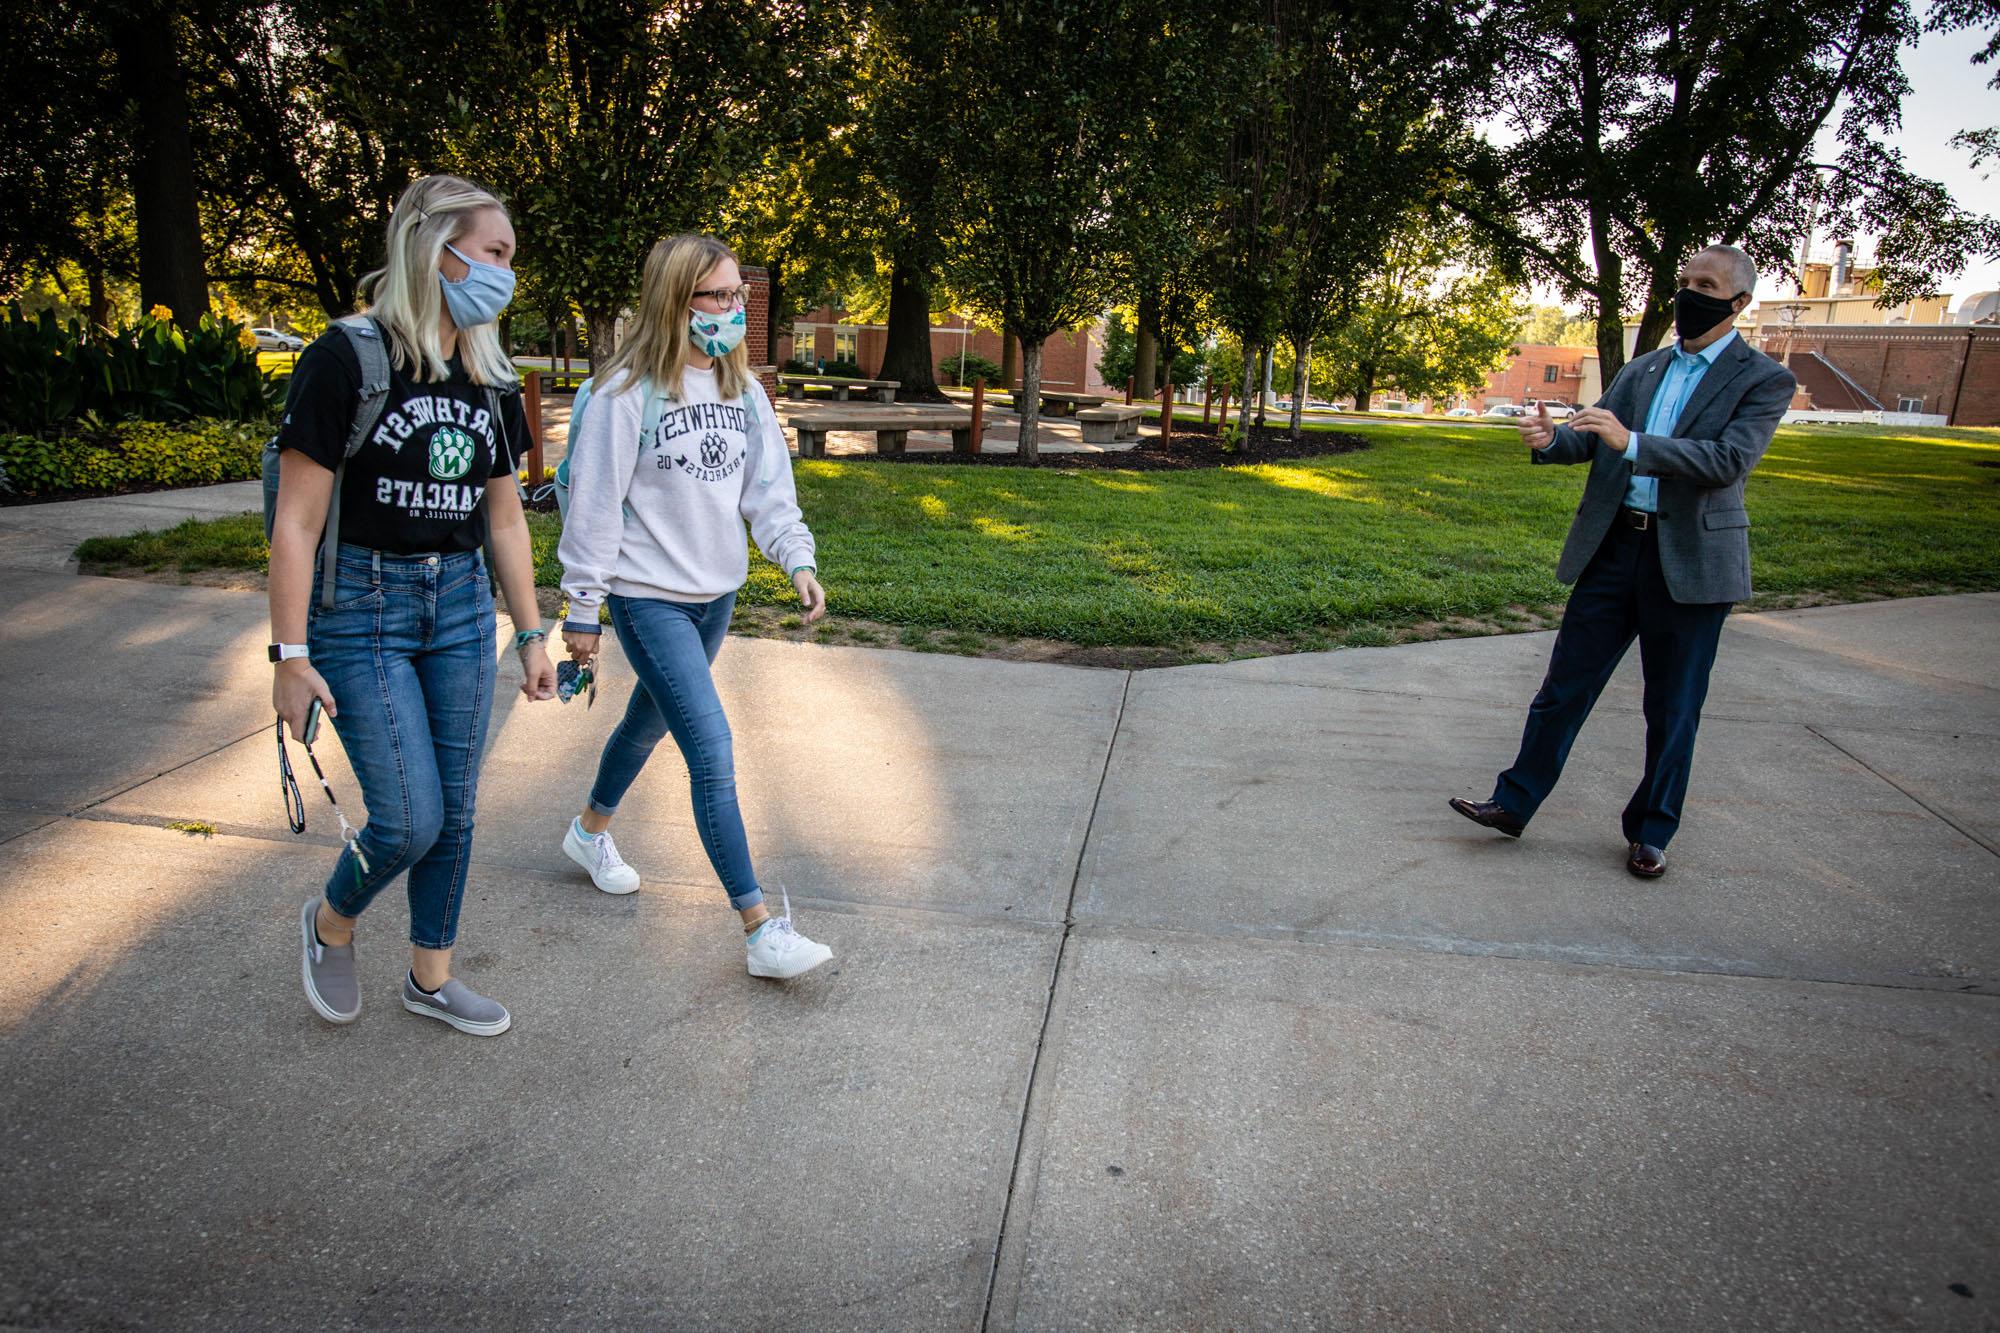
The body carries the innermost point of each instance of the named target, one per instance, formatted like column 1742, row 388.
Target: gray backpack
column 365, row 337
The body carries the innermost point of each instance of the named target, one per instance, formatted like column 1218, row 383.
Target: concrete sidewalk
column 1171, row 998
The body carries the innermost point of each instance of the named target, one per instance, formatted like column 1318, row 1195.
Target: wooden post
column 531, row 407
column 1167, row 410
column 1223, row 420
column 1207, row 397
column 978, row 411
column 1128, row 391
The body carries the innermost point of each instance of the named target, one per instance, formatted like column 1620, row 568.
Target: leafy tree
column 1646, row 130
column 1552, row 326
column 1036, row 109
column 1420, row 326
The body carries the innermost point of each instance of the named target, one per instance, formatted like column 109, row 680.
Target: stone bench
column 882, row 391
column 892, row 429
column 1067, row 404
column 1108, row 425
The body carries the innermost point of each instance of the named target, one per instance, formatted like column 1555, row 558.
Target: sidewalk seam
column 1005, row 1256
column 113, row 795
column 1940, row 815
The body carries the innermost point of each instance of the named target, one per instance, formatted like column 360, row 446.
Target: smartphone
column 311, row 732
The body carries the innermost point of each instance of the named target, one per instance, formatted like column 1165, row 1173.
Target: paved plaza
column 1165, row 999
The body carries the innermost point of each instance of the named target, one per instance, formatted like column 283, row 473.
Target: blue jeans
column 407, row 650
column 670, row 646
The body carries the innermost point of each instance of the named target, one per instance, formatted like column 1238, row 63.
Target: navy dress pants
column 1622, row 595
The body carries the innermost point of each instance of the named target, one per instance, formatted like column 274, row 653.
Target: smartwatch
column 285, row 652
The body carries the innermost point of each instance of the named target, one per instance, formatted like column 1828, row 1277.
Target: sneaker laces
column 782, row 925
column 607, row 852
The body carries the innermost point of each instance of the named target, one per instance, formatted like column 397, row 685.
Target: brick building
column 758, row 335
column 1069, row 359
column 1951, row 371
column 1535, row 371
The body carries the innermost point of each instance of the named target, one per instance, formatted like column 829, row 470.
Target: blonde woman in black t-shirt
column 403, row 659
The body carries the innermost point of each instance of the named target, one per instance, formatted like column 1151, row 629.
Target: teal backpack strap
column 364, row 335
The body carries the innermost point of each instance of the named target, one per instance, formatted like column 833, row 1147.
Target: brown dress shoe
column 1490, row 813
column 1646, row 862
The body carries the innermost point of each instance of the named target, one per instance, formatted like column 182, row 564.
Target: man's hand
column 1537, row 432
column 1599, row 422
column 582, row 645
column 538, row 674
column 811, row 596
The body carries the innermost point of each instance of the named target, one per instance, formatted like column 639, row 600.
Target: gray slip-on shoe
column 329, row 972
column 459, row 1005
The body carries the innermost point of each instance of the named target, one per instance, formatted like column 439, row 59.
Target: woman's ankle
column 333, row 929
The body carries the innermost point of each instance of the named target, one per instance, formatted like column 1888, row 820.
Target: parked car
column 1557, row 411
column 1509, row 410
column 277, row 340
column 1463, row 412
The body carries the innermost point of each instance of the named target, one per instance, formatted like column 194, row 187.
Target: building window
column 846, row 344
column 1549, row 374
column 1909, row 404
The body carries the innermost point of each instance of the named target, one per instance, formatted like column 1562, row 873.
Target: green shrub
column 133, row 453
column 798, row 366
column 974, row 366
column 52, row 373
column 845, row 370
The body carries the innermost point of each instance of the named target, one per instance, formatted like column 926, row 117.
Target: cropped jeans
column 407, row 650
column 671, row 646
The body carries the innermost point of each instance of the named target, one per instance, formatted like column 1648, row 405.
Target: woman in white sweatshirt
column 677, row 448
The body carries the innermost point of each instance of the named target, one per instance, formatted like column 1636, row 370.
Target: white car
column 276, row 340
column 1462, row 412
column 1509, row 410
column 1557, row 411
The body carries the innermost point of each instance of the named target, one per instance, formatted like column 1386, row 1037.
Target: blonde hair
column 658, row 345
column 404, row 296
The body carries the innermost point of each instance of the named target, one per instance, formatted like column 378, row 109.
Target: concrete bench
column 882, row 391
column 1067, row 404
column 1107, row 425
column 892, row 429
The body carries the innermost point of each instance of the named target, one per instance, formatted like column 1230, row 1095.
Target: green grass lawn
column 1434, row 530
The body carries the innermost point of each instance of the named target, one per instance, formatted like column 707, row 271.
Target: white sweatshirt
column 663, row 517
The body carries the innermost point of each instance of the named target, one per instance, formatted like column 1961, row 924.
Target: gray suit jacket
column 1721, row 435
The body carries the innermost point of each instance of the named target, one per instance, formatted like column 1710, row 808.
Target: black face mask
column 1695, row 313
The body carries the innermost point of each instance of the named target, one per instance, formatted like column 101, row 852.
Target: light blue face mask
column 479, row 296
column 717, row 335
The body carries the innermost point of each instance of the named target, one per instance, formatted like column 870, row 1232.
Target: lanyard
column 295, row 807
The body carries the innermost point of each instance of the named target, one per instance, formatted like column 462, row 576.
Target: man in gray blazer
column 1658, row 550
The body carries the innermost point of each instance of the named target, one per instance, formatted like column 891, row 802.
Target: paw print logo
column 451, row 453
column 713, row 451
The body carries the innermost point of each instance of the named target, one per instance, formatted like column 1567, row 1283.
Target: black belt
column 1637, row 519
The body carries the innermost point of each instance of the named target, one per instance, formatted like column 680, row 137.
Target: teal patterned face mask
column 717, row 335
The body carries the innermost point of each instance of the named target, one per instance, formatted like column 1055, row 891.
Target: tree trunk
column 1145, row 350
column 1658, row 318
column 600, row 328
column 1264, row 387
column 907, row 354
column 99, row 311
column 1010, row 362
column 1298, row 392
column 172, row 268
column 1364, row 386
column 1029, row 404
column 1250, row 357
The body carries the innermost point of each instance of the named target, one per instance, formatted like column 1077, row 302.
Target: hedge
column 129, row 454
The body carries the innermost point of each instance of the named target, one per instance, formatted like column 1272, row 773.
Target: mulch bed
column 1189, row 449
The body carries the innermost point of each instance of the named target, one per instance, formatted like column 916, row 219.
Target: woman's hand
column 538, row 673
column 582, row 645
column 294, row 685
column 811, row 596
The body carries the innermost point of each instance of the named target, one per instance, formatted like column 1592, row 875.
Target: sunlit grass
column 1443, row 529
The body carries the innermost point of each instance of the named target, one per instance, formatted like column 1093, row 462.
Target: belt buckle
column 1639, row 519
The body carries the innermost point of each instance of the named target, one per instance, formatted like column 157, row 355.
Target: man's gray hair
column 1740, row 264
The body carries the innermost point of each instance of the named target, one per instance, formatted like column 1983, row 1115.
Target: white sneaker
column 599, row 855
column 778, row 950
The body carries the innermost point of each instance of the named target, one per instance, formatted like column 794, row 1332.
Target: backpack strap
column 495, row 400
column 364, row 335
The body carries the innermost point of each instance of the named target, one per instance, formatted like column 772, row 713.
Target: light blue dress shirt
column 1677, row 385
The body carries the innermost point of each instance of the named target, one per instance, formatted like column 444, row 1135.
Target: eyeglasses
column 295, row 806
column 730, row 297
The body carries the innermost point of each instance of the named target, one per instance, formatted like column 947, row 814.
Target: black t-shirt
column 415, row 483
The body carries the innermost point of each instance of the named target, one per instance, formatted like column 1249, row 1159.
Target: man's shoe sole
column 1644, row 874
column 464, row 1025
column 320, row 1007
column 585, row 865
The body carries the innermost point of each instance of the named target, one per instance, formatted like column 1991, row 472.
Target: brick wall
column 758, row 337
column 1526, row 376
column 1069, row 359
column 1897, row 362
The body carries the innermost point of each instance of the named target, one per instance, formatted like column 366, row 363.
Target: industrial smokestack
column 1843, row 255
